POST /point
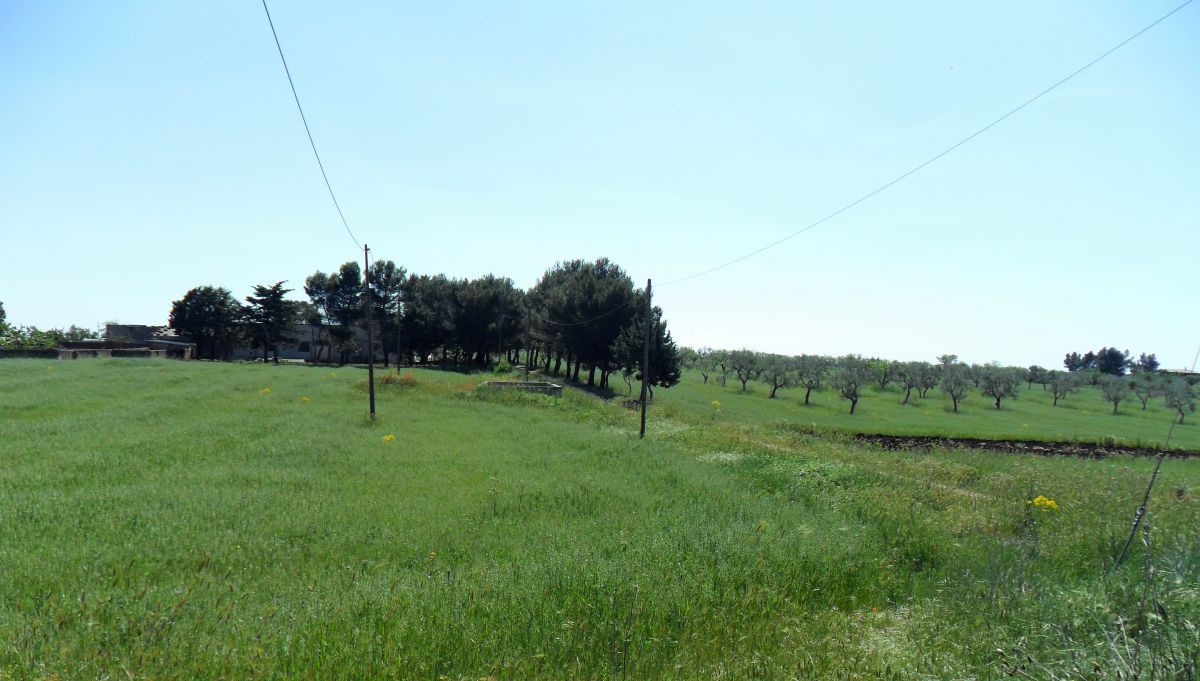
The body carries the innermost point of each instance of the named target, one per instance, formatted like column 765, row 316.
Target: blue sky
column 146, row 148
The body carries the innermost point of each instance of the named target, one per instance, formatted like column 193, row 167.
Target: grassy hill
column 1082, row 417
column 199, row 520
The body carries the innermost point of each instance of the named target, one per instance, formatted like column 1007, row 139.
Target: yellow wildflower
column 1042, row 503
column 304, row 398
column 264, row 391
column 389, row 437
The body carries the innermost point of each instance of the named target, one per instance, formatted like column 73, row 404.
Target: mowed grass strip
column 197, row 520
column 1081, row 417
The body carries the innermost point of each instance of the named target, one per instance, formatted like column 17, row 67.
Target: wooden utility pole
column 370, row 337
column 646, row 359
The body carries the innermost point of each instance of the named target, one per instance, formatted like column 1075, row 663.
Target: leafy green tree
column 721, row 363
column 665, row 361
column 1073, row 361
column 387, row 288
column 1112, row 361
column 1146, row 364
column 482, row 309
column 947, row 360
column 579, row 309
column 999, row 382
column 211, row 317
column 427, row 317
column 909, row 374
column 928, row 376
column 850, row 373
column 955, row 382
column 1179, row 396
column 745, row 365
column 706, row 362
column 689, row 357
column 777, row 372
column 1114, row 389
column 810, row 371
column 269, row 317
column 3, row 319
column 1145, row 386
column 338, row 298
column 1035, row 374
column 1062, row 383
column 883, row 372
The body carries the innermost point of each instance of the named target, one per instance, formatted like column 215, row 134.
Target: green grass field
column 1083, row 416
column 200, row 520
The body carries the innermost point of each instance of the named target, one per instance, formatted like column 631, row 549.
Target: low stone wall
column 542, row 387
column 140, row 352
column 76, row 353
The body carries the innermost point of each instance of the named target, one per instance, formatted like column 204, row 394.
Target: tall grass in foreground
column 206, row 521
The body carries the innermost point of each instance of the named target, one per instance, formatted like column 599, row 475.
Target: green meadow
column 229, row 521
column 1083, row 416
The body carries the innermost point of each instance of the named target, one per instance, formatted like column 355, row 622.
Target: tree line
column 849, row 375
column 1110, row 361
column 581, row 316
column 32, row 338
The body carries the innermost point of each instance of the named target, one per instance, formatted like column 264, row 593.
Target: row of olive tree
column 850, row 374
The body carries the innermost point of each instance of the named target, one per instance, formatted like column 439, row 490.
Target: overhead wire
column 585, row 321
column 308, row 131
column 931, row 159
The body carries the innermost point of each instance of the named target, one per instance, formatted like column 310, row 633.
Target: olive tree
column 746, row 365
column 999, row 382
column 810, row 371
column 1114, row 389
column 1179, row 396
column 1062, row 383
column 849, row 375
column 928, row 376
column 1145, row 386
column 884, row 371
column 956, row 381
column 777, row 372
column 910, row 377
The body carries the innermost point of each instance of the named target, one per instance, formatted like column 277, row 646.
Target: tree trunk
column 773, row 389
column 575, row 373
column 807, row 392
column 591, row 376
column 907, row 392
column 705, row 377
column 853, row 404
column 955, row 401
column 997, row 403
column 744, row 384
column 1055, row 402
column 1115, row 408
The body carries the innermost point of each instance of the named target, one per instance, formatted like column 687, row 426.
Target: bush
column 404, row 380
column 503, row 367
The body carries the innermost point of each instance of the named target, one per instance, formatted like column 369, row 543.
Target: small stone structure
column 542, row 387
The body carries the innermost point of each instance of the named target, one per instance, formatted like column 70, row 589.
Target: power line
column 306, row 129
column 931, row 159
column 586, row 321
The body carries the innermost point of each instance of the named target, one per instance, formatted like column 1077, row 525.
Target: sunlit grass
column 197, row 520
column 1083, row 416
